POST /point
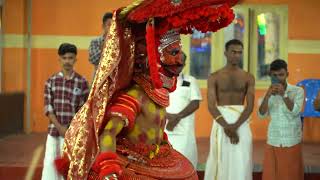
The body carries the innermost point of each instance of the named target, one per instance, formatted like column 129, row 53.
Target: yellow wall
column 79, row 21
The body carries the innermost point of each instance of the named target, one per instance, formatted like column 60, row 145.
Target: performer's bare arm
column 212, row 101
column 250, row 102
column 114, row 126
column 108, row 136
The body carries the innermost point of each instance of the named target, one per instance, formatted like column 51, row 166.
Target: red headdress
column 182, row 16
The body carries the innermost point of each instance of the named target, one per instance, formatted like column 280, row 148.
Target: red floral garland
column 164, row 8
column 205, row 19
column 153, row 56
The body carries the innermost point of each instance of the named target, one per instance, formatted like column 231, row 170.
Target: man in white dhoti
column 184, row 101
column 230, row 156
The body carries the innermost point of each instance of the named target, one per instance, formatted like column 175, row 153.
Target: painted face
column 171, row 59
column 170, row 66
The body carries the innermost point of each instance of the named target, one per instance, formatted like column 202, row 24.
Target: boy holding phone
column 283, row 103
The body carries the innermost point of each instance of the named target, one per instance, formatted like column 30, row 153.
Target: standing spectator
column 65, row 92
column 283, row 102
column 230, row 102
column 180, row 128
column 96, row 45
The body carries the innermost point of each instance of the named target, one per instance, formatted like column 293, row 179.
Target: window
column 236, row 30
column 263, row 29
column 269, row 42
column 200, row 55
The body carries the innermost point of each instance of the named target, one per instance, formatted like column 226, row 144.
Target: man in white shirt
column 184, row 101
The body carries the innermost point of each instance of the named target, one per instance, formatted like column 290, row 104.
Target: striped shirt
column 64, row 97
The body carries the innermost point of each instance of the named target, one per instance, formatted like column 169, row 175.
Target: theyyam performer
column 119, row 132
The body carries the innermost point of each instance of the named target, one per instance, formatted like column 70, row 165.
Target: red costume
column 138, row 68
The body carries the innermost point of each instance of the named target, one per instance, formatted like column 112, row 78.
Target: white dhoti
column 228, row 161
column 54, row 147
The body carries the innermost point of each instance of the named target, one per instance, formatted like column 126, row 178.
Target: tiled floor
column 16, row 151
column 311, row 155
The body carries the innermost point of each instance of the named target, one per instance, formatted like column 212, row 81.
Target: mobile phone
column 274, row 80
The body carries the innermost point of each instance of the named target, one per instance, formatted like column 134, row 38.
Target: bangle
column 218, row 117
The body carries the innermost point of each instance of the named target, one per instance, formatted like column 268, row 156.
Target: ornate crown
column 170, row 37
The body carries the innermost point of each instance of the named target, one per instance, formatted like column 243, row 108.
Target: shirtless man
column 231, row 141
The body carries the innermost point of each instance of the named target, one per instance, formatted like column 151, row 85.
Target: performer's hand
column 107, row 166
